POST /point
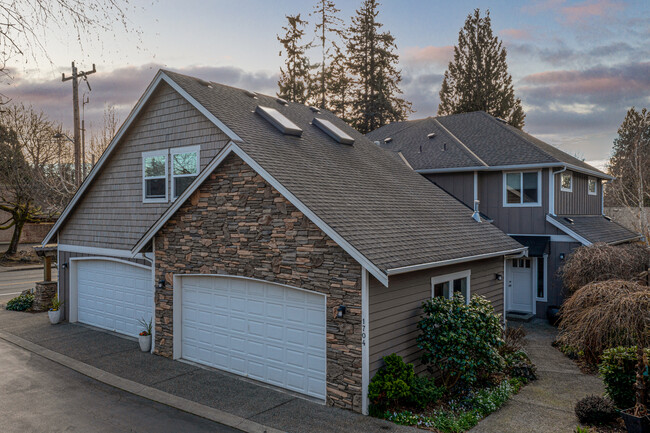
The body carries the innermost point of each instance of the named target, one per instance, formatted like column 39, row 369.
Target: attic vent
column 251, row 94
column 607, row 218
column 388, row 140
column 569, row 220
column 377, row 143
column 204, row 83
column 444, row 146
column 333, row 131
column 282, row 101
column 277, row 119
column 433, row 134
column 501, row 120
column 315, row 109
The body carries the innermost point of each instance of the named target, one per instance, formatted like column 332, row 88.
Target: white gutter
column 405, row 269
column 516, row 167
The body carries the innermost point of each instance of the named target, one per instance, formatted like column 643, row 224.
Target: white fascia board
column 113, row 252
column 568, row 231
column 233, row 148
column 515, row 167
column 552, row 238
column 160, row 76
column 411, row 268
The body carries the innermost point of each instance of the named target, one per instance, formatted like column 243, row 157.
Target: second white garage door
column 268, row 332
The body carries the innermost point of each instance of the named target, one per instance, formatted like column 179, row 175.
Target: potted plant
column 144, row 338
column 610, row 314
column 54, row 313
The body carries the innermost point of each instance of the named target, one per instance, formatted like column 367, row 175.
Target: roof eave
column 515, row 167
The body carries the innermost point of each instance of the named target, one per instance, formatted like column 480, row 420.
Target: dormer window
column 566, row 182
column 522, row 188
column 154, row 176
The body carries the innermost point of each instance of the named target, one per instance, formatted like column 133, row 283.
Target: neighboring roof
column 537, row 245
column 384, row 214
column 473, row 140
column 590, row 229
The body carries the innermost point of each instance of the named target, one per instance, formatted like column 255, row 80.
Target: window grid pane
column 154, row 166
column 540, row 277
column 513, row 187
column 185, row 164
column 530, row 187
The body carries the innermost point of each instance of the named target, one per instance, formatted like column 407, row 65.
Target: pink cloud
column 588, row 9
column 519, row 34
column 429, row 54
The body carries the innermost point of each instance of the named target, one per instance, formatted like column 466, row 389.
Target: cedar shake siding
column 237, row 224
column 396, row 310
column 577, row 202
column 111, row 214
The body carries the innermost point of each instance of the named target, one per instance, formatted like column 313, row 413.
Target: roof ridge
column 463, row 145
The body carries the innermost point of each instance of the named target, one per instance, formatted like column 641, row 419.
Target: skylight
column 333, row 131
column 277, row 119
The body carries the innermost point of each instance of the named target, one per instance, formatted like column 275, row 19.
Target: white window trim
column 176, row 151
column 562, row 188
column 589, row 179
column 539, row 189
column 165, row 153
column 451, row 277
column 545, row 298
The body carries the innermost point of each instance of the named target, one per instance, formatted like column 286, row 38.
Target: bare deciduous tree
column 100, row 139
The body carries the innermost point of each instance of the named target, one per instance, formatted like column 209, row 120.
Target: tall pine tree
column 328, row 25
column 372, row 62
column 478, row 78
column 295, row 79
column 339, row 85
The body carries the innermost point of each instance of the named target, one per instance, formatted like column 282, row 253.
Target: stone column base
column 44, row 292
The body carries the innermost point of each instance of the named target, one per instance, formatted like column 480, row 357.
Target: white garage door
column 268, row 332
column 114, row 295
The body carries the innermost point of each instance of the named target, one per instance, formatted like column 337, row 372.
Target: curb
column 143, row 391
column 21, row 268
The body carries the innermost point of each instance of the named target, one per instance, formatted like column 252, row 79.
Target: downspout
column 551, row 189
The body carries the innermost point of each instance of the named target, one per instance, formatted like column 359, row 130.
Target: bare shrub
column 602, row 262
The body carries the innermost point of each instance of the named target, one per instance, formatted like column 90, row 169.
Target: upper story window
column 185, row 168
column 154, row 176
column 566, row 182
column 450, row 284
column 522, row 188
column 592, row 186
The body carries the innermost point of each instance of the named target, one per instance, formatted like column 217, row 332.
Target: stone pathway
column 545, row 405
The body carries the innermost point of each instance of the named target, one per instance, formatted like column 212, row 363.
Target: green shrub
column 595, row 410
column 618, row 370
column 520, row 366
column 21, row 303
column 462, row 340
column 424, row 391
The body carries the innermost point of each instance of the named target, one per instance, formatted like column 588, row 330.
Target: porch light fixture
column 499, row 277
column 161, row 284
column 65, row 265
column 340, row 311
column 561, row 256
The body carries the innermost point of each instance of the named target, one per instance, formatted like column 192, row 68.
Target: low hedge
column 618, row 371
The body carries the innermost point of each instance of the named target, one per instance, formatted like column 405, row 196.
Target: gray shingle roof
column 387, row 212
column 492, row 141
column 596, row 228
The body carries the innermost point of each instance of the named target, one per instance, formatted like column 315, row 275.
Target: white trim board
column 125, row 254
column 553, row 238
column 232, row 147
column 516, row 167
column 568, row 231
column 160, row 76
column 365, row 339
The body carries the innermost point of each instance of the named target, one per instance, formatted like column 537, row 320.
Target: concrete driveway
column 38, row 395
column 12, row 282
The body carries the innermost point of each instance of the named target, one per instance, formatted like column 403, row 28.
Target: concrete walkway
column 222, row 397
column 545, row 405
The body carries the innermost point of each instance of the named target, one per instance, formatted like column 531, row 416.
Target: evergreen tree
column 372, row 62
column 478, row 78
column 328, row 24
column 295, row 80
column 339, row 85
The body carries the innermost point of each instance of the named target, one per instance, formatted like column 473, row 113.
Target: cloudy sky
column 577, row 65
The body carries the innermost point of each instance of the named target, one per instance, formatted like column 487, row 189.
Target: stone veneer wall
column 237, row 224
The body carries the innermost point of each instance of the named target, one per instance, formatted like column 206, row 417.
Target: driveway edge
column 140, row 390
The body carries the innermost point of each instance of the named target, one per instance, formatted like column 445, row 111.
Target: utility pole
column 75, row 109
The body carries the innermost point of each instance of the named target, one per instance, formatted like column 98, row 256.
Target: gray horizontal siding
column 111, row 213
column 577, row 202
column 395, row 310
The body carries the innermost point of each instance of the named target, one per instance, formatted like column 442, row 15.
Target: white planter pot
column 55, row 316
column 145, row 342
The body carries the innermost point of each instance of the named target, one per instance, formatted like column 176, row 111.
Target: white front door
column 519, row 294
column 269, row 332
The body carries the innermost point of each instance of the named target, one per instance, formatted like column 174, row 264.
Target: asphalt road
column 14, row 282
column 38, row 395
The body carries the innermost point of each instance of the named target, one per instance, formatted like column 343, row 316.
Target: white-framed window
column 448, row 285
column 522, row 188
column 185, row 168
column 154, row 176
column 541, row 264
column 566, row 182
column 592, row 186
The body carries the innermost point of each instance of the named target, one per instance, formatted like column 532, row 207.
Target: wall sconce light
column 340, row 311
column 161, row 284
column 561, row 256
column 499, row 277
column 65, row 265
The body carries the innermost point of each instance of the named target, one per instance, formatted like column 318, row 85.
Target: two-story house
column 544, row 198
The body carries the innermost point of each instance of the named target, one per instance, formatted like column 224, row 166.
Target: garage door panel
column 261, row 330
column 113, row 295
